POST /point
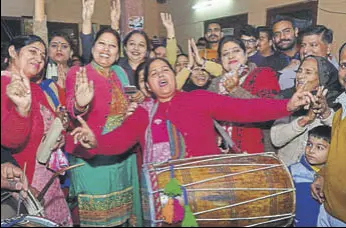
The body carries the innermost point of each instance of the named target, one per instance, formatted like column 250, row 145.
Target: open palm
column 88, row 9
column 115, row 10
column 84, row 89
column 167, row 21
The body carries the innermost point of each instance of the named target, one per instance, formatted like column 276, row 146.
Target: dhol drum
column 30, row 212
column 28, row 221
column 224, row 190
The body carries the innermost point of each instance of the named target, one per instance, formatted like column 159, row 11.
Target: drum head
column 9, row 206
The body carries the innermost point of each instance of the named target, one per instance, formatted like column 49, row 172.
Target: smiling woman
column 173, row 125
column 104, row 104
column 23, row 103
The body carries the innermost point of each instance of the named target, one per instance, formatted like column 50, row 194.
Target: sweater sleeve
column 181, row 78
column 171, row 50
column 124, row 137
column 284, row 130
column 213, row 68
column 15, row 129
column 87, row 41
column 229, row 109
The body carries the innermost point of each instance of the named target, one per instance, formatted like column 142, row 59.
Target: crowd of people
column 126, row 102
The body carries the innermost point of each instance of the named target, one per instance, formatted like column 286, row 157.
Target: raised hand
column 167, row 21
column 88, row 9
column 84, row 89
column 61, row 75
column 196, row 55
column 191, row 58
column 84, row 135
column 320, row 107
column 115, row 14
column 300, row 99
column 19, row 92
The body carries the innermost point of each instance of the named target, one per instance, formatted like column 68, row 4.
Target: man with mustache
column 314, row 40
column 285, row 39
column 213, row 35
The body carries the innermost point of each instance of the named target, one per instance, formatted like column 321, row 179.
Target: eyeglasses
column 252, row 41
column 231, row 51
column 342, row 66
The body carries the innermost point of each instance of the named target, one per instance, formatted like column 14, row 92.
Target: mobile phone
column 130, row 90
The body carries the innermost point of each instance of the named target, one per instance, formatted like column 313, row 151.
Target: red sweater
column 192, row 113
column 22, row 134
column 99, row 108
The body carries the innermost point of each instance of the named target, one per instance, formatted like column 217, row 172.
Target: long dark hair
column 147, row 41
column 107, row 30
column 140, row 67
column 19, row 42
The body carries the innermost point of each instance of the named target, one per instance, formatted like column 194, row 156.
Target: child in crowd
column 303, row 173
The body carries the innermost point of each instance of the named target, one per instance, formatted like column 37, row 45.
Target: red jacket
column 22, row 134
column 263, row 83
column 192, row 113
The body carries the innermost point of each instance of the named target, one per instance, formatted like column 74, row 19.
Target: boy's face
column 316, row 150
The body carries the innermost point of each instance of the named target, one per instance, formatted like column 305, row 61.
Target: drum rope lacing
column 218, row 157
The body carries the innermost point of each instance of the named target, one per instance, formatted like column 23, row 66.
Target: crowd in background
column 125, row 102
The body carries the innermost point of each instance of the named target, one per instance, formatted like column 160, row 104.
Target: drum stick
column 51, row 180
column 20, row 197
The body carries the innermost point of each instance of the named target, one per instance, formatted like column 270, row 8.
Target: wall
column 189, row 23
column 70, row 11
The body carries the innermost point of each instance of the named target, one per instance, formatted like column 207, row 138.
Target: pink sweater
column 192, row 113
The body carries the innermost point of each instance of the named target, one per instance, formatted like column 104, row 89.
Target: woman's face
column 141, row 84
column 307, row 75
column 136, row 48
column 232, row 56
column 30, row 59
column 182, row 61
column 59, row 50
column 105, row 51
column 199, row 77
column 161, row 80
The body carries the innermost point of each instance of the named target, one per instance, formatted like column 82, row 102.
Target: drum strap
column 226, row 137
